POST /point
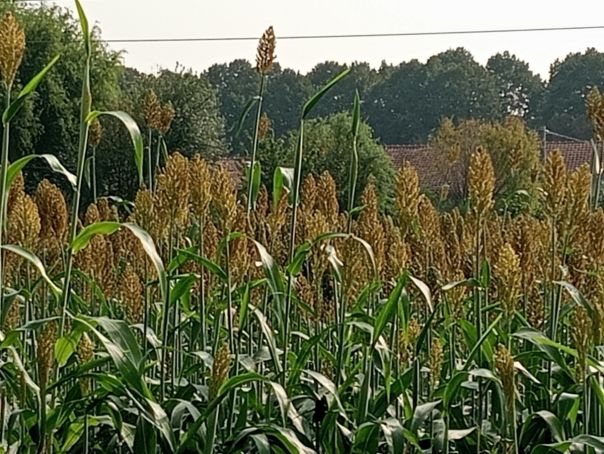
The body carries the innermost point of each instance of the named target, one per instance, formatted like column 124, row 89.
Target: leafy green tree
column 514, row 151
column 570, row 81
column 235, row 83
column 49, row 120
column 340, row 98
column 286, row 92
column 393, row 102
column 198, row 126
column 411, row 100
column 328, row 147
column 520, row 90
column 458, row 86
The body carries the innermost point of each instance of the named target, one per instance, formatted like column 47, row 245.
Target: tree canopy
column 570, row 81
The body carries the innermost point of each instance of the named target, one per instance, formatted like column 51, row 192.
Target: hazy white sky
column 121, row 19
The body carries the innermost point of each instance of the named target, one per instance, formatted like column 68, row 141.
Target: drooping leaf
column 53, row 162
column 31, row 86
column 312, row 102
column 135, row 136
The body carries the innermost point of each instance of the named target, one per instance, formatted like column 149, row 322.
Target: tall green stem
column 250, row 202
column 4, row 192
column 292, row 243
column 86, row 104
column 150, row 161
column 94, row 188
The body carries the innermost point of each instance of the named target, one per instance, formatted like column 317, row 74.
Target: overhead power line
column 359, row 35
column 347, row 35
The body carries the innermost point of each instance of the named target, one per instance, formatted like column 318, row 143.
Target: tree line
column 403, row 103
column 406, row 103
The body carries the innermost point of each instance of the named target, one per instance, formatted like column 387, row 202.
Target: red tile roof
column 575, row 153
column 431, row 168
column 434, row 172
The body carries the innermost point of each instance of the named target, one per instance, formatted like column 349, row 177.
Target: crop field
column 212, row 314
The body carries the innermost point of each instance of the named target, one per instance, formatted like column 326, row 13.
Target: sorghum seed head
column 481, row 182
column 509, row 278
column 131, row 292
column 581, row 333
column 46, row 355
column 264, row 126
column 504, row 364
column 436, row 362
column 201, row 186
column 152, row 110
column 173, row 190
column 220, row 370
column 407, row 195
column 53, row 214
column 166, row 117
column 95, row 133
column 12, row 47
column 554, row 184
column 85, row 350
column 595, row 111
column 265, row 54
column 23, row 226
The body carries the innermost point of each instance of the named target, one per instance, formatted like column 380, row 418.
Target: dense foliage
column 406, row 103
column 213, row 316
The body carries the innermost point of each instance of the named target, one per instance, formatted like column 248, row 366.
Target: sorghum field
column 214, row 315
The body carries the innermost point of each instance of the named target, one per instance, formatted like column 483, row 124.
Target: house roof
column 575, row 153
column 432, row 167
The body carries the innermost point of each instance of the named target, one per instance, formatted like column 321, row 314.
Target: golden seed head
column 144, row 211
column 436, row 362
column 12, row 48
column 13, row 317
column 167, row 116
column 201, row 186
column 16, row 191
column 85, row 353
column 264, row 126
column 53, row 214
column 508, row 275
column 46, row 352
column 581, row 333
column 85, row 350
column 327, row 200
column 481, row 182
column 173, row 190
column 307, row 295
column 595, row 111
column 575, row 212
column 92, row 215
column 220, row 370
column 428, row 219
column 106, row 211
column 131, row 293
column 504, row 364
column 370, row 225
column 398, row 254
column 265, row 55
column 308, row 193
column 276, row 220
column 224, row 201
column 23, row 225
column 414, row 329
column 152, row 111
column 554, row 184
column 407, row 195
column 95, row 133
